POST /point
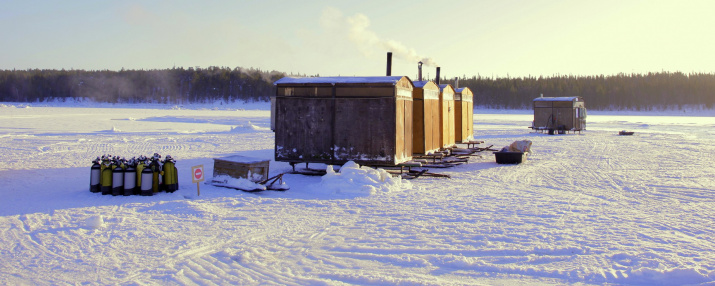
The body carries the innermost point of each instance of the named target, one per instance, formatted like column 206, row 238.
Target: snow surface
column 594, row 208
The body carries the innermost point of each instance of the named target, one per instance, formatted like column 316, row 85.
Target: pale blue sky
column 333, row 38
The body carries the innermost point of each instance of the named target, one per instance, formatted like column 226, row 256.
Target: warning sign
column 197, row 174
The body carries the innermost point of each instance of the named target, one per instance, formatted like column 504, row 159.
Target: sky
column 351, row 38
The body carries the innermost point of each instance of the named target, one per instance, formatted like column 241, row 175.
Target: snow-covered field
column 594, row 208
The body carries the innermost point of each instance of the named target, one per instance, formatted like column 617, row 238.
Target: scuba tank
column 118, row 177
column 155, row 167
column 171, row 180
column 147, row 180
column 130, row 177
column 106, row 176
column 141, row 164
column 95, row 174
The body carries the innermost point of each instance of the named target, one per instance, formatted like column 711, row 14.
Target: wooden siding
column 554, row 114
column 464, row 115
column 446, row 110
column 370, row 124
column 425, row 119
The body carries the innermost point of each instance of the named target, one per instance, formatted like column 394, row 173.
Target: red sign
column 197, row 173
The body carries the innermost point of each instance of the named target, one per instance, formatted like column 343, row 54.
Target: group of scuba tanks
column 137, row 176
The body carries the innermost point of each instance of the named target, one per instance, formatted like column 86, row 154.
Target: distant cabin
column 464, row 114
column 334, row 120
column 446, row 116
column 425, row 118
column 559, row 114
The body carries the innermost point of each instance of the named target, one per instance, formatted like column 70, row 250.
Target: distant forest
column 652, row 91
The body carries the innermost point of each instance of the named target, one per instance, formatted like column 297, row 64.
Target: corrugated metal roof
column 459, row 90
column 339, row 79
column 569, row 98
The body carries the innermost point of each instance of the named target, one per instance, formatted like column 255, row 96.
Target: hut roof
column 569, row 98
column 340, row 80
column 422, row 84
column 443, row 86
column 463, row 89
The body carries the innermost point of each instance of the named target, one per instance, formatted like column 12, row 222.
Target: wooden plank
column 303, row 129
column 419, row 137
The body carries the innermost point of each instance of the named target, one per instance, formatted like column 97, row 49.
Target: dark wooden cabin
column 425, row 117
column 559, row 113
column 446, row 116
column 334, row 120
column 464, row 114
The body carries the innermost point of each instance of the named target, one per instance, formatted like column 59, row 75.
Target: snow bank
column 237, row 183
column 354, row 179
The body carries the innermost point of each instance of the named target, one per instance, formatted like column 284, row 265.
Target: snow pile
column 94, row 222
column 236, row 183
column 354, row 179
column 248, row 127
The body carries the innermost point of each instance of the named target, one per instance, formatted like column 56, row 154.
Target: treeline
column 176, row 85
column 652, row 91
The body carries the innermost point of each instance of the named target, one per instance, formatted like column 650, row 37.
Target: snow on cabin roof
column 339, row 79
column 565, row 98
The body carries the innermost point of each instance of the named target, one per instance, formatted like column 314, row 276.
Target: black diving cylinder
column 130, row 177
column 106, row 177
column 95, row 174
column 118, row 177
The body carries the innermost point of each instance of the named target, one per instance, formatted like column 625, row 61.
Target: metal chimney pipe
column 419, row 68
column 437, row 80
column 456, row 83
column 389, row 63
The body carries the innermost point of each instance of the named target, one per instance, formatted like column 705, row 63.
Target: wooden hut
column 333, row 120
column 425, row 117
column 446, row 116
column 464, row 114
column 559, row 113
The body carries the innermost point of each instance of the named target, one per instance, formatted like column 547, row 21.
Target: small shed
column 559, row 113
column 464, row 114
column 334, row 120
column 446, row 116
column 425, row 117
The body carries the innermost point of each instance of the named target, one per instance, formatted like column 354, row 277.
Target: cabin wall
column 553, row 114
column 425, row 121
column 369, row 125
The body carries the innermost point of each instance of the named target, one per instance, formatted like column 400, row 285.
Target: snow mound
column 240, row 183
column 248, row 127
column 354, row 179
column 94, row 222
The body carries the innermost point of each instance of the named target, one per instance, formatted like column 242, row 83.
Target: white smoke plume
column 365, row 39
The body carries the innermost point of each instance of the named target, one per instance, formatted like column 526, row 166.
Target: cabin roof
column 461, row 89
column 340, row 80
column 565, row 98
column 443, row 86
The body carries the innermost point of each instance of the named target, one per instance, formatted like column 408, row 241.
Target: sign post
column 197, row 176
